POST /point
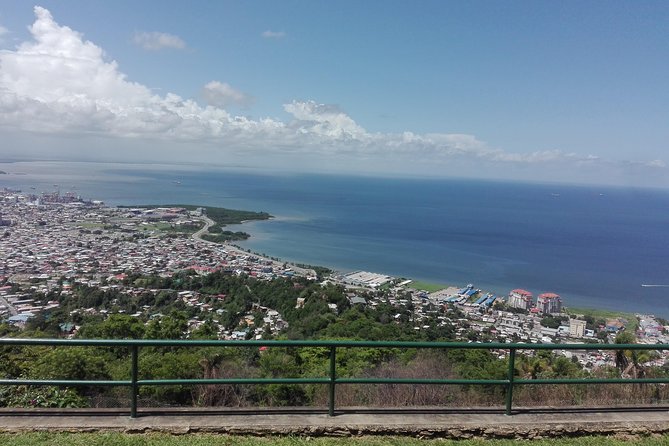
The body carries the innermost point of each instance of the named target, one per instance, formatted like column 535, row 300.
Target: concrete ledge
column 424, row 423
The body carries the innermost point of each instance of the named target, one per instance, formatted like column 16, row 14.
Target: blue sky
column 556, row 91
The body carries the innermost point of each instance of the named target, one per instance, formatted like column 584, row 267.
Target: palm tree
column 627, row 361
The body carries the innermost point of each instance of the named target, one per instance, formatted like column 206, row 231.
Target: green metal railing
column 134, row 383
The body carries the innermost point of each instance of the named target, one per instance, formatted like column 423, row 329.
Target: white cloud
column 273, row 34
column 59, row 83
column 656, row 163
column 154, row 41
column 222, row 94
column 324, row 120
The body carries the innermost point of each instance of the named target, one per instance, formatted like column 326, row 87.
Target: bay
column 595, row 246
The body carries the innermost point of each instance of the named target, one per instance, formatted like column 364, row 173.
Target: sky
column 569, row 91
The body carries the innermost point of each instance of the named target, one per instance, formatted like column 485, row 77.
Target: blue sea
column 595, row 246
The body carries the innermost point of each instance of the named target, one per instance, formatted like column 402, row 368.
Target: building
column 549, row 303
column 576, row 328
column 520, row 299
column 615, row 325
column 366, row 279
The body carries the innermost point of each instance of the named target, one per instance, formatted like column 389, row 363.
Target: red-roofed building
column 549, row 303
column 520, row 298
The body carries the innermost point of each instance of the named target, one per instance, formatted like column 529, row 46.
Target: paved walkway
column 417, row 423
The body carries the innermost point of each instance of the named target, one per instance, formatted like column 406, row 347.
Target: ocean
column 593, row 245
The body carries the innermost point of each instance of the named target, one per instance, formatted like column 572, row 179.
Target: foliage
column 117, row 326
column 545, row 365
column 323, row 312
column 170, row 364
column 71, row 363
column 221, row 216
column 321, row 271
column 226, row 236
column 553, row 321
column 44, row 396
column 503, row 306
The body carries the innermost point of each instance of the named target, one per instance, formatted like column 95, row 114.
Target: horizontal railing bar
column 61, row 382
column 594, row 381
column 171, row 382
column 164, row 382
column 324, row 344
column 220, row 381
column 420, row 381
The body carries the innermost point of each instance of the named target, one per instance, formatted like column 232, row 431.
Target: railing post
column 134, row 388
column 510, row 375
column 333, row 377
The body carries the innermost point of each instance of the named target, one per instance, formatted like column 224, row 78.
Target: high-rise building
column 576, row 328
column 520, row 299
column 549, row 303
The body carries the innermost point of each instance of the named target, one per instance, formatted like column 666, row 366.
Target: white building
column 520, row 299
column 576, row 328
column 549, row 303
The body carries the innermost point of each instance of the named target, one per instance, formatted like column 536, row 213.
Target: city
column 51, row 243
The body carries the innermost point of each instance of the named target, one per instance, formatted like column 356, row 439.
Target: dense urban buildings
column 51, row 243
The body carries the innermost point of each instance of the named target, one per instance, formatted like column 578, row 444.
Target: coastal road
column 208, row 223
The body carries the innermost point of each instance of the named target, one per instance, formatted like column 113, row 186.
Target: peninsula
column 53, row 239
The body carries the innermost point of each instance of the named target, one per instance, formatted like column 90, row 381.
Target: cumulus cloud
column 273, row 34
column 221, row 94
column 60, row 83
column 3, row 32
column 154, row 41
column 324, row 120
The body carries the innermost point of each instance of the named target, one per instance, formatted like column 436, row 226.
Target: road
column 208, row 222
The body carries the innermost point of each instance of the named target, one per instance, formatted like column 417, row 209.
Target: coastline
column 420, row 285
column 594, row 250
column 431, row 286
column 175, row 239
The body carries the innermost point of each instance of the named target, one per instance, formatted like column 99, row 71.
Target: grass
column 600, row 313
column 118, row 439
column 606, row 314
column 426, row 286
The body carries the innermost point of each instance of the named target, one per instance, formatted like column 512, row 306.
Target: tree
column 70, row 363
column 169, row 364
column 208, row 330
column 283, row 363
column 627, row 361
